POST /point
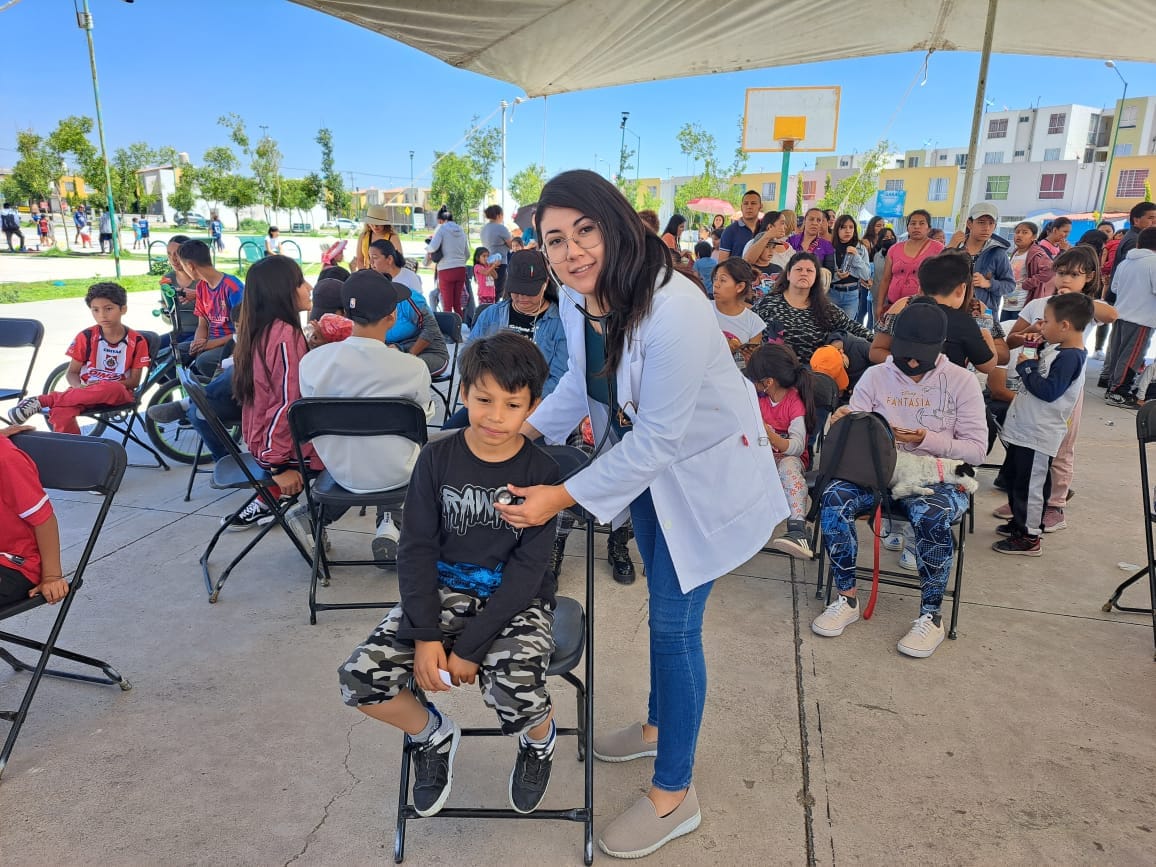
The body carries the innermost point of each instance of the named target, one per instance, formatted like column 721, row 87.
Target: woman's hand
column 428, row 657
column 542, row 503
column 289, row 482
column 980, row 281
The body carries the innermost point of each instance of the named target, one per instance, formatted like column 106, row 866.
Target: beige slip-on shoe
column 623, row 745
column 640, row 830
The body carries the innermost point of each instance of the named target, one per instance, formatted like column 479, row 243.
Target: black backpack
column 9, row 223
column 858, row 448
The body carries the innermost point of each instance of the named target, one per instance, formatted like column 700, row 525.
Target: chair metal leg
column 127, row 433
column 194, row 470
column 402, row 802
column 111, row 674
column 956, row 593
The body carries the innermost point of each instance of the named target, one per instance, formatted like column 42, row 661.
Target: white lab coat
column 695, row 439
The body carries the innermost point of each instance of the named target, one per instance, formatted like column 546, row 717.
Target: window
column 1124, row 150
column 1025, row 118
column 652, row 191
column 1130, row 184
column 809, row 189
column 1051, row 154
column 896, row 184
column 1017, row 154
column 961, row 160
column 1056, row 123
column 769, row 191
column 1052, row 186
column 943, row 158
column 937, row 190
column 1128, row 117
column 939, row 222
column 997, row 187
column 913, row 162
column 70, row 186
column 997, row 127
column 992, row 157
column 844, row 163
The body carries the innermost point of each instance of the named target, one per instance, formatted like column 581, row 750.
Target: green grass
column 50, row 290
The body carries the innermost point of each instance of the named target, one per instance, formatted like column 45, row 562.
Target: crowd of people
column 605, row 334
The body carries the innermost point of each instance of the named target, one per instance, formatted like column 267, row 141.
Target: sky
column 169, row 69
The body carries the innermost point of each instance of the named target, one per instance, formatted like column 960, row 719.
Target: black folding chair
column 123, row 418
column 1145, row 434
column 314, row 417
column 21, row 334
column 65, row 463
column 238, row 471
column 451, row 326
column 573, row 632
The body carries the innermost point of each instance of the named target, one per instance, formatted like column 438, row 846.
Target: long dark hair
column 872, row 230
column 1082, row 257
column 740, row 271
column 635, row 262
column 1052, row 225
column 672, row 225
column 270, row 296
column 840, row 247
column 779, row 362
column 817, row 301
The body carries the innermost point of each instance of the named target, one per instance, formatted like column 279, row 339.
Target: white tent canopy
column 556, row 46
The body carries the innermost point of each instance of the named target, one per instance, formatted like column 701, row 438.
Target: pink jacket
column 1037, row 273
column 947, row 402
column 265, row 422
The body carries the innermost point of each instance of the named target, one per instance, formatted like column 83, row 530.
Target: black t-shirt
column 450, row 517
column 964, row 342
column 522, row 323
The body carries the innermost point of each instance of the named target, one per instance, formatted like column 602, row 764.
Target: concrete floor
column 1029, row 740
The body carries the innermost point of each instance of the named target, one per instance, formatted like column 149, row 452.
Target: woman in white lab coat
column 681, row 445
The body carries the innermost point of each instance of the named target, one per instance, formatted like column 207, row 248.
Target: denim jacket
column 548, row 336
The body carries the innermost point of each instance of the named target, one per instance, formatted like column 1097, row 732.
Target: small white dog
column 913, row 474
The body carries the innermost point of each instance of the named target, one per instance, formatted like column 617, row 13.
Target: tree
column 302, row 194
column 526, row 185
column 215, row 173
column 484, row 148
column 457, row 184
column 128, row 194
column 264, row 161
column 183, row 197
column 643, row 200
column 853, row 193
column 71, row 138
column 35, row 171
column 715, row 180
column 799, row 196
column 625, row 164
column 335, row 197
column 1147, row 190
column 240, row 192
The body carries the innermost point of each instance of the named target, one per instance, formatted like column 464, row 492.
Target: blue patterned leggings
column 931, row 519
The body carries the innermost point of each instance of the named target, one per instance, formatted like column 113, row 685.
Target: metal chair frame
column 21, row 334
column 451, row 328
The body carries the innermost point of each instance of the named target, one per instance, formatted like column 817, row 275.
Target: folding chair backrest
column 75, row 463
column 826, row 392
column 570, row 460
column 1146, row 422
column 451, row 326
column 22, row 334
column 312, row 417
column 196, row 393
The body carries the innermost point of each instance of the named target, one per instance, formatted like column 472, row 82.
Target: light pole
column 622, row 148
column 84, row 21
column 412, row 190
column 637, row 153
column 1111, row 64
column 502, row 192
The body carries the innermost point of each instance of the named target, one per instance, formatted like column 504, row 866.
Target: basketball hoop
column 788, row 120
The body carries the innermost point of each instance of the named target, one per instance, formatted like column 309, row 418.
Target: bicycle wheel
column 177, row 439
column 57, row 382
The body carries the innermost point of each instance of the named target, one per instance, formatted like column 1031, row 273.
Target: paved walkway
column 1029, row 740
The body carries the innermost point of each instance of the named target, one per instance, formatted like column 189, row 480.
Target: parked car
column 342, row 224
column 191, row 219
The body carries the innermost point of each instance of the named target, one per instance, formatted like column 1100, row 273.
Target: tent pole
column 976, row 117
column 785, row 175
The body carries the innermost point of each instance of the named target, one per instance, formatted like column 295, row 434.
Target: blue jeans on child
column 931, row 519
column 677, row 663
column 220, row 395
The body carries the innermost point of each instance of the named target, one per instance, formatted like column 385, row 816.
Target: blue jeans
column 220, row 395
column 866, row 312
column 846, row 300
column 931, row 518
column 677, row 663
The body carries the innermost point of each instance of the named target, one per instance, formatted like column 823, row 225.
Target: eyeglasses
column 586, row 237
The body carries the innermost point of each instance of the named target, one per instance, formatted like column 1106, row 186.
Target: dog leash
column 869, row 609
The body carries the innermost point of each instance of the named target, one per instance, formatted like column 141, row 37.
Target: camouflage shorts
column 512, row 676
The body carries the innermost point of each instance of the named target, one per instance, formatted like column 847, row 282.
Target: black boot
column 565, row 525
column 617, row 552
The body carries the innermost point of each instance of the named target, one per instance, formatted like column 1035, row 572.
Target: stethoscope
column 503, row 495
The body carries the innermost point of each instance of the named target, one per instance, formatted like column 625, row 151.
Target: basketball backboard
column 809, row 116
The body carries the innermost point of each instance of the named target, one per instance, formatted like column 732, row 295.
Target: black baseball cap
column 527, row 272
column 919, row 332
column 369, row 296
column 326, row 298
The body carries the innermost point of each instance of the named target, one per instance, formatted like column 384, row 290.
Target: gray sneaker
column 166, row 413
column 623, row 745
column 640, row 830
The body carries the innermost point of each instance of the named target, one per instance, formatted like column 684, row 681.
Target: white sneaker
column 385, row 543
column 893, row 541
column 908, row 561
column 923, row 638
column 837, row 617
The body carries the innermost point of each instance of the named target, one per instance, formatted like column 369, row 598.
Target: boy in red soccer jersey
column 108, row 361
column 29, row 536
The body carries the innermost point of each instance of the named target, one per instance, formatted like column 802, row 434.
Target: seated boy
column 362, row 365
column 1051, row 380
column 108, row 360
column 29, row 536
column 218, row 294
column 477, row 595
